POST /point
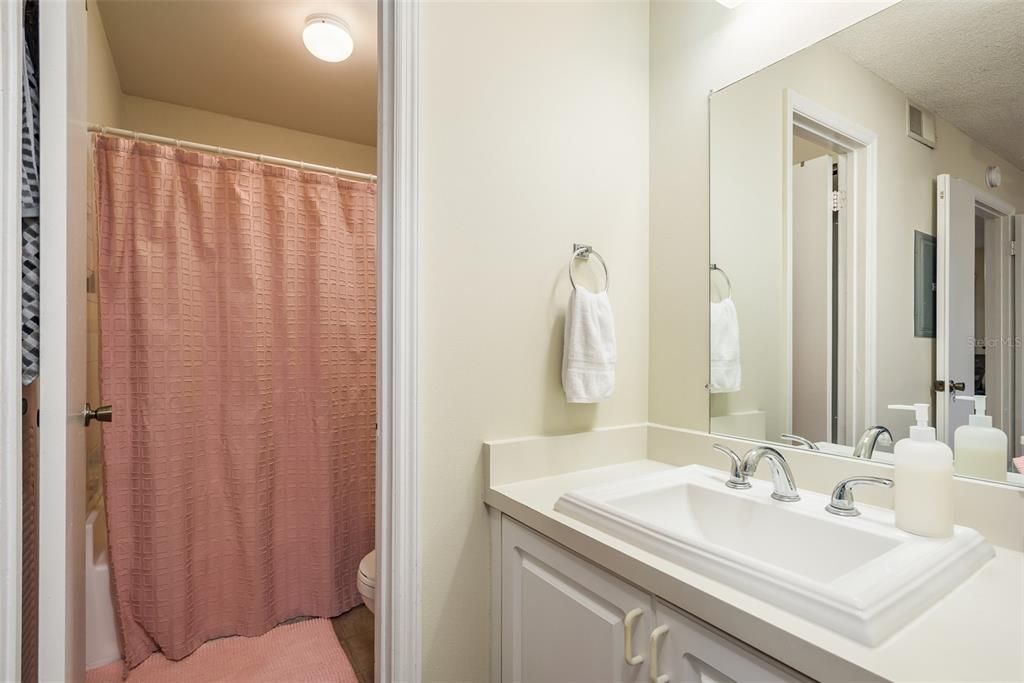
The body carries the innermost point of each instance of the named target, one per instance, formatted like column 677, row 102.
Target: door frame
column 11, row 37
column 63, row 159
column 992, row 206
column 1017, row 447
column 999, row 286
column 859, row 145
column 398, row 598
column 398, row 642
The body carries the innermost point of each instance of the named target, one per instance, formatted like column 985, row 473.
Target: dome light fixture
column 328, row 38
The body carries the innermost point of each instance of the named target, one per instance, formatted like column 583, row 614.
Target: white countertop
column 975, row 633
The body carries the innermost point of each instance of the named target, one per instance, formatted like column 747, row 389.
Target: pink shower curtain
column 238, row 316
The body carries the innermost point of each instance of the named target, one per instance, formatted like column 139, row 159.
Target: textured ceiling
column 963, row 60
column 245, row 58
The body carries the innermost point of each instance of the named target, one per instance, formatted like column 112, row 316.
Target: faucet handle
column 737, row 478
column 842, row 495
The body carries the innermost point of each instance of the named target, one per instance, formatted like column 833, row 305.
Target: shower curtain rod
column 224, row 151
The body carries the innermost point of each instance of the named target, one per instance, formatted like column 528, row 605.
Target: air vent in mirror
column 920, row 124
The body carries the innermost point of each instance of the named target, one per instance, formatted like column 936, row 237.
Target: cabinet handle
column 631, row 618
column 656, row 635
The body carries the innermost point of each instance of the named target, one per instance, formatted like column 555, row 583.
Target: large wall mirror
column 866, row 201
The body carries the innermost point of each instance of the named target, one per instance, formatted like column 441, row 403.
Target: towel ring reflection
column 585, row 251
column 728, row 282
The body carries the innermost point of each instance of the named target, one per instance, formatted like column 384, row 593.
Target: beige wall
column 104, row 92
column 534, row 134
column 697, row 47
column 198, row 125
column 748, row 129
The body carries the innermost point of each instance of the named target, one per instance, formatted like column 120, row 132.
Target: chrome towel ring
column 585, row 251
column 728, row 282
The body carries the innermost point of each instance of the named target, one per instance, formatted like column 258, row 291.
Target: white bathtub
column 101, row 645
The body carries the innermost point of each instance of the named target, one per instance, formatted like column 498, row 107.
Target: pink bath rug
column 303, row 652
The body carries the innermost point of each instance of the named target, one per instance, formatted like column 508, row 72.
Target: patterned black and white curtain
column 30, row 348
column 30, row 203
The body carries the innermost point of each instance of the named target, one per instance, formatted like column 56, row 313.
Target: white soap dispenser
column 979, row 449
column 924, row 479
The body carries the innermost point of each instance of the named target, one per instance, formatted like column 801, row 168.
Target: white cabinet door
column 563, row 619
column 690, row 652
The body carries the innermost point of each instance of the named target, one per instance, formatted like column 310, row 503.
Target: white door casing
column 10, row 346
column 858, row 148
column 398, row 599
column 845, row 244
column 62, row 378
column 998, row 332
column 1016, row 435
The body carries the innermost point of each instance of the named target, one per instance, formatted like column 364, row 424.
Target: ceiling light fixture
column 328, row 38
column 993, row 177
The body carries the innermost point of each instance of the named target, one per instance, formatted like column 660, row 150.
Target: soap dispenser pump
column 979, row 449
column 924, row 479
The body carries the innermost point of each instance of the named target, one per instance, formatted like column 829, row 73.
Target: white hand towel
column 588, row 354
column 725, row 347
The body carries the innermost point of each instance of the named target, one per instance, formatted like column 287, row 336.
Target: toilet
column 366, row 580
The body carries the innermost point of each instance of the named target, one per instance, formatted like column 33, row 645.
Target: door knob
column 940, row 385
column 100, row 414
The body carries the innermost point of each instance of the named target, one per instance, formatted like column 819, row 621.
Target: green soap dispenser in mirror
column 979, row 449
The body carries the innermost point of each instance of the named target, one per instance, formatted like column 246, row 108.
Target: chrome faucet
column 868, row 440
column 743, row 468
column 842, row 495
column 782, row 477
column 806, row 443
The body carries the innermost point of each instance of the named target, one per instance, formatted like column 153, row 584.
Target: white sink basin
column 859, row 576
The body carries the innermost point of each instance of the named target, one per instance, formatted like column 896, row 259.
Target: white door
column 1016, row 434
column 811, row 259
column 63, row 158
column 564, row 620
column 683, row 650
column 958, row 205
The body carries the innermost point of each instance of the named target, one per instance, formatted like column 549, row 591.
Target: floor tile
column 354, row 631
